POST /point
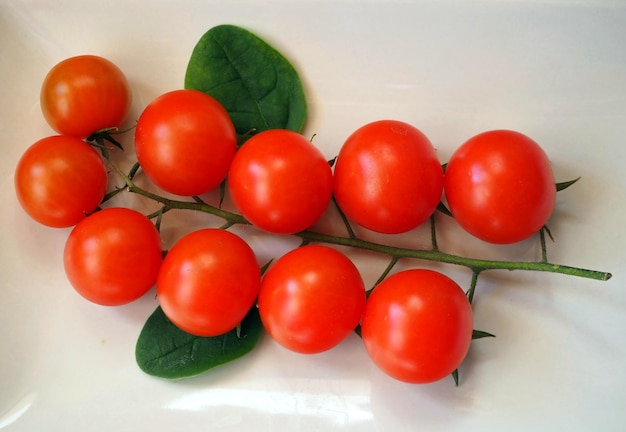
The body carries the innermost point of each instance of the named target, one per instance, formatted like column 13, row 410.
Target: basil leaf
column 165, row 351
column 259, row 88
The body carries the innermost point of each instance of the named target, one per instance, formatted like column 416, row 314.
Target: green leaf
column 165, row 351
column 259, row 88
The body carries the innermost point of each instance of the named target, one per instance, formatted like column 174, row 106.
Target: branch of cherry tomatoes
column 416, row 325
column 445, row 286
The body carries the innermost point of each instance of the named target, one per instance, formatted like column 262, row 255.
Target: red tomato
column 113, row 257
column 387, row 177
column 311, row 299
column 280, row 182
column 185, row 142
column 84, row 94
column 417, row 326
column 500, row 187
column 59, row 180
column 208, row 282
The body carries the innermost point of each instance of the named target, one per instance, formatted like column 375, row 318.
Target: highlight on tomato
column 84, row 94
column 311, row 299
column 500, row 187
column 387, row 177
column 417, row 326
column 280, row 182
column 208, row 282
column 185, row 142
column 59, row 180
column 113, row 256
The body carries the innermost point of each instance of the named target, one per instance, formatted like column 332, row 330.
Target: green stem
column 475, row 264
column 111, row 194
column 344, row 218
column 542, row 241
column 170, row 204
column 433, row 232
column 472, row 288
column 392, row 263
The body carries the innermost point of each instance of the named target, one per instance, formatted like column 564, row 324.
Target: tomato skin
column 417, row 326
column 387, row 177
column 84, row 94
column 280, row 182
column 185, row 142
column 113, row 256
column 208, row 282
column 60, row 179
column 311, row 299
column 500, row 187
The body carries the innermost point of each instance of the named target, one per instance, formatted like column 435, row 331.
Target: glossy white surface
column 554, row 70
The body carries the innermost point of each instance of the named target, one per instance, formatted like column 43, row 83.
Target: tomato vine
column 476, row 265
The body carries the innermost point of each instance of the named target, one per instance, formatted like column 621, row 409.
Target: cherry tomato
column 84, row 94
column 208, row 282
column 280, row 182
column 113, row 256
column 500, row 187
column 185, row 142
column 387, row 177
column 311, row 299
column 59, row 180
column 417, row 326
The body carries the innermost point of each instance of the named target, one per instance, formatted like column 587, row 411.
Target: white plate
column 554, row 70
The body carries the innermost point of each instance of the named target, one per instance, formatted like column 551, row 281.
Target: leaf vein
column 232, row 61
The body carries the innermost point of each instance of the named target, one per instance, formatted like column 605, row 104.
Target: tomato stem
column 392, row 263
column 477, row 265
column 159, row 217
column 433, row 232
column 473, row 283
column 544, row 249
column 474, row 264
column 344, row 218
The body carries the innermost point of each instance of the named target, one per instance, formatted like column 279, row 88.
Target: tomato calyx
column 564, row 185
column 98, row 139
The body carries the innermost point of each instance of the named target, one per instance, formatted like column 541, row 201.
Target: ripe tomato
column 311, row 299
column 59, row 180
column 84, row 94
column 208, row 282
column 185, row 142
column 500, row 187
column 387, row 177
column 280, row 182
column 113, row 256
column 417, row 326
